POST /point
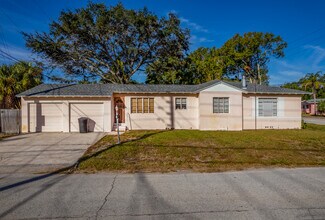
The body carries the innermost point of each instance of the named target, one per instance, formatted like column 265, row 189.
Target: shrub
column 321, row 107
column 303, row 124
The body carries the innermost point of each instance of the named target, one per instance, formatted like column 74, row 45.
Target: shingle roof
column 109, row 89
column 68, row 90
column 252, row 88
column 102, row 89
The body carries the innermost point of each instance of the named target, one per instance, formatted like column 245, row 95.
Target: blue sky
column 300, row 23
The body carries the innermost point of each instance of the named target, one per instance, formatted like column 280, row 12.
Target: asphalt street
column 315, row 120
column 253, row 194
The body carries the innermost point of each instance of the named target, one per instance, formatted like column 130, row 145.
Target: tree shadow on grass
column 142, row 137
column 138, row 159
column 238, row 148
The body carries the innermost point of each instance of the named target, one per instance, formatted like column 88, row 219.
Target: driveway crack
column 106, row 197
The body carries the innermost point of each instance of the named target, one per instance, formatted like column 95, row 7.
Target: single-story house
column 215, row 105
column 308, row 107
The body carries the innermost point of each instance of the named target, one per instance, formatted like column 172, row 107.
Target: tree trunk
column 9, row 102
column 259, row 74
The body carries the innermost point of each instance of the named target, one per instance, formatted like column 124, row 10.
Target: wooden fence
column 9, row 120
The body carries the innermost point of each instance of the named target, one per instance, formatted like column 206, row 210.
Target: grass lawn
column 206, row 151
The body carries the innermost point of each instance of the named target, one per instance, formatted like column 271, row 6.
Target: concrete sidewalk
column 39, row 152
column 253, row 194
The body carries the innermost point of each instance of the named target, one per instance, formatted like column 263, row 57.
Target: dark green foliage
column 250, row 53
column 303, row 124
column 311, row 82
column 171, row 70
column 15, row 79
column 321, row 106
column 108, row 44
column 208, row 64
column 242, row 54
column 111, row 44
column 198, row 67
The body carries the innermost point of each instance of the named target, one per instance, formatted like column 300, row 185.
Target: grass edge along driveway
column 206, row 151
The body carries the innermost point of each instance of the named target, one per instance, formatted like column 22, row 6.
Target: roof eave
column 167, row 92
column 222, row 82
column 64, row 96
column 278, row 93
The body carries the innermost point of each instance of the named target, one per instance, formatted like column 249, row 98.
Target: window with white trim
column 267, row 107
column 142, row 105
column 220, row 104
column 180, row 103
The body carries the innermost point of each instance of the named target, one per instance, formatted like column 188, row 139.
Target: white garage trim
column 92, row 110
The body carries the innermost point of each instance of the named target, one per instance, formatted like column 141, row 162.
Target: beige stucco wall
column 198, row 115
column 165, row 115
column 288, row 117
column 26, row 115
column 220, row 121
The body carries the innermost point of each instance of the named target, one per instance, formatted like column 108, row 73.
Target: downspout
column 244, row 86
column 255, row 106
column 242, row 111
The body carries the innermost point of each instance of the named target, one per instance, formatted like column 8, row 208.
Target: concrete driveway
column 40, row 152
column 315, row 120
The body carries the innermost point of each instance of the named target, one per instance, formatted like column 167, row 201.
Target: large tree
column 246, row 54
column 208, row 65
column 170, row 70
column 202, row 65
column 15, row 79
column 108, row 44
column 250, row 53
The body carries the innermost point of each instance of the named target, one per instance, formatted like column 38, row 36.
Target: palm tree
column 17, row 78
column 6, row 80
column 313, row 81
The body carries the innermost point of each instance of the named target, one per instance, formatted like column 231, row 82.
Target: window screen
column 151, row 105
column 133, row 105
column 267, row 107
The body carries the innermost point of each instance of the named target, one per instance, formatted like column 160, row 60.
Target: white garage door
column 93, row 111
column 45, row 117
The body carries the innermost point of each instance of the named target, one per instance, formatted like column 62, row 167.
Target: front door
column 119, row 102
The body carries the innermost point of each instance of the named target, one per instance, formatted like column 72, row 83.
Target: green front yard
column 206, row 151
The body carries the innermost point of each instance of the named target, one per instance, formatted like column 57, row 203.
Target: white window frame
column 220, row 105
column 268, row 107
column 182, row 105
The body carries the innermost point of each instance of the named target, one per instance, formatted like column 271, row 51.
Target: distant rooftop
column 310, row 101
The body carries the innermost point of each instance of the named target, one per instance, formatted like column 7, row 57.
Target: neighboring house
column 308, row 107
column 215, row 105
